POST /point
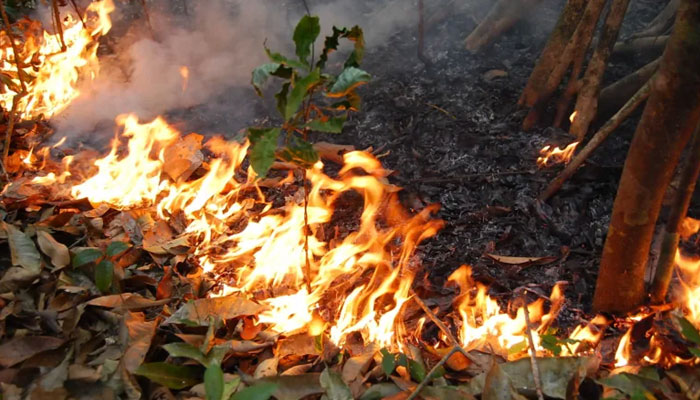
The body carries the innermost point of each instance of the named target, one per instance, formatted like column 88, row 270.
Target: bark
column 647, row 46
column 670, row 116
column 587, row 101
column 503, row 16
column 600, row 136
column 662, row 23
column 553, row 50
column 679, row 209
column 575, row 50
column 616, row 94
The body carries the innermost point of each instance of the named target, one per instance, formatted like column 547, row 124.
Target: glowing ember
column 185, row 74
column 51, row 74
column 572, row 117
column 556, row 155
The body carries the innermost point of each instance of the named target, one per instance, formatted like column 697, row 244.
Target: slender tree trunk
column 679, row 209
column 575, row 51
column 565, row 28
column 587, row 101
column 502, row 16
column 670, row 116
column 661, row 23
column 616, row 94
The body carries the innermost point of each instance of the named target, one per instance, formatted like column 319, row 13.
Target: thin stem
column 430, row 374
column 80, row 13
column 11, row 36
column 533, row 354
column 57, row 21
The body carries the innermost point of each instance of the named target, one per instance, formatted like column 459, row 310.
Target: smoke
column 200, row 58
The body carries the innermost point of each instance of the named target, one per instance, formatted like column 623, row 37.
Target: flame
column 556, row 155
column 51, row 73
column 185, row 74
column 485, row 326
column 572, row 117
column 354, row 282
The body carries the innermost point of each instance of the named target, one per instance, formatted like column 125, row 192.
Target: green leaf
column 694, row 351
column 104, row 273
column 217, row 353
column 86, row 256
column 305, row 35
column 261, row 391
column 517, row 348
column 347, row 81
column 299, row 90
column 330, row 125
column 280, row 59
column 23, row 252
column 261, row 74
column 331, row 43
column 170, row 375
column 299, row 152
column 551, row 343
column 181, row 349
column 417, row 370
column 116, row 248
column 689, row 331
column 388, row 362
column 335, row 388
column 214, row 382
column 281, row 97
column 262, row 150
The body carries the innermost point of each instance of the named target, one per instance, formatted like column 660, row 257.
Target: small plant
column 104, row 262
column 301, row 110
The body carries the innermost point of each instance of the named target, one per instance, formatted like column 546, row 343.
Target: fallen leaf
column 22, row 249
column 260, row 391
column 380, row 391
column 129, row 301
column 19, row 349
column 140, row 334
column 250, row 329
column 170, row 375
column 56, row 378
column 521, row 261
column 197, row 312
column 57, row 252
column 334, row 386
column 494, row 74
column 266, row 368
column 182, row 158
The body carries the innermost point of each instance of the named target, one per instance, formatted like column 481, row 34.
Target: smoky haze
column 219, row 42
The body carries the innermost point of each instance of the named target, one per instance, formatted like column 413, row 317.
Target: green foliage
column 554, row 344
column 690, row 333
column 301, row 110
column 104, row 262
column 261, row 391
column 214, row 382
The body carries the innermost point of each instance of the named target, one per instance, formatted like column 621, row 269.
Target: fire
column 485, row 326
column 556, row 155
column 52, row 74
column 185, row 74
column 356, row 282
column 572, row 117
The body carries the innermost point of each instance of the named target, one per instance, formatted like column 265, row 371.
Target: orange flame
column 556, row 155
column 51, row 74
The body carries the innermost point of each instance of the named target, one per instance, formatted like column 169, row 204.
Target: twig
column 11, row 36
column 307, row 230
column 533, row 354
column 430, row 374
column 597, row 139
column 10, row 128
column 57, row 21
column 80, row 13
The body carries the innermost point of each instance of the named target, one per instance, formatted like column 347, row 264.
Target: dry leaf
column 140, row 334
column 129, row 301
column 57, row 252
column 19, row 349
column 521, row 261
column 250, row 329
column 183, row 157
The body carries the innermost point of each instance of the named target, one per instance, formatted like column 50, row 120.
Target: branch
column 533, row 354
column 597, row 139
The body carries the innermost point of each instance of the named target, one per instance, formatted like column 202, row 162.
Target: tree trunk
column 565, row 28
column 587, row 101
column 661, row 23
column 575, row 51
column 670, row 116
column 503, row 16
column 679, row 209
